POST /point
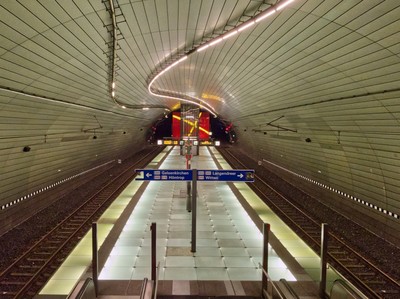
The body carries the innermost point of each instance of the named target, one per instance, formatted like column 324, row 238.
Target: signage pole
column 324, row 255
column 153, row 229
column 95, row 258
column 266, row 230
column 188, row 188
column 194, row 209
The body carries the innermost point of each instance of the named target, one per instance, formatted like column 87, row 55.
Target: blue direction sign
column 243, row 175
column 164, row 175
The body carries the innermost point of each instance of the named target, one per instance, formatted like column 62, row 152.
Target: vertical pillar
column 188, row 187
column 189, row 196
column 194, row 209
column 95, row 259
column 324, row 254
column 153, row 229
column 266, row 229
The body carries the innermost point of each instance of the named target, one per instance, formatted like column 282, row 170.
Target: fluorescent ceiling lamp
column 272, row 11
column 280, row 6
column 215, row 42
column 123, row 107
column 230, row 34
column 145, row 108
column 202, row 48
column 246, row 26
column 113, row 93
column 113, row 85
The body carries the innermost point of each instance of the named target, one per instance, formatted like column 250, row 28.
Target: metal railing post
column 194, row 209
column 189, row 193
column 95, row 259
column 324, row 254
column 266, row 229
column 153, row 229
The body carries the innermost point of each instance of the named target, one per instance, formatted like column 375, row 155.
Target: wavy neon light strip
column 261, row 16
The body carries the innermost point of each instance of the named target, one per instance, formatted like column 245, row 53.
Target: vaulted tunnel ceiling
column 323, row 70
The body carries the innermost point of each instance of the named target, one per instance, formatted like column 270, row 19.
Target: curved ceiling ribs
column 180, row 57
column 117, row 17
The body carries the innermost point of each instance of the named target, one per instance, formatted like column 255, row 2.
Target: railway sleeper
column 375, row 282
column 346, row 260
column 19, row 283
column 355, row 266
column 29, row 266
column 23, row 274
column 42, row 253
column 391, row 291
column 63, row 232
column 50, row 248
column 72, row 227
column 338, row 252
column 36, row 259
column 366, row 274
column 53, row 241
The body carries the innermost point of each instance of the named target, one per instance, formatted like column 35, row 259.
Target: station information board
column 234, row 175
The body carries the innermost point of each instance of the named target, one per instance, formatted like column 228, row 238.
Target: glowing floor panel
column 229, row 245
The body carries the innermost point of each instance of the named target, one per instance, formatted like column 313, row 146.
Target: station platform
column 229, row 244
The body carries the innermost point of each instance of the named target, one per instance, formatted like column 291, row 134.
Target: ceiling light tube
column 113, row 93
column 230, row 34
column 215, row 42
column 183, row 58
column 113, row 85
column 245, row 26
column 262, row 17
column 202, row 48
column 280, row 6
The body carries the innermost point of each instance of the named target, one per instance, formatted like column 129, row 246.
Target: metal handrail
column 154, row 295
column 79, row 290
column 289, row 288
column 347, row 288
column 274, row 287
column 143, row 289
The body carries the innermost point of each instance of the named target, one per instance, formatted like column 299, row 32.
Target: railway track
column 28, row 274
column 371, row 280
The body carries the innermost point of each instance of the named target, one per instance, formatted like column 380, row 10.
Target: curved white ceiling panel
column 323, row 71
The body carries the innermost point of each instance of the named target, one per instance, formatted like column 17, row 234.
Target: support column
column 266, row 229
column 153, row 229
column 194, row 209
column 324, row 255
column 95, row 259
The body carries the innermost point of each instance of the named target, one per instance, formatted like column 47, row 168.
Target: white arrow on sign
column 241, row 175
column 148, row 175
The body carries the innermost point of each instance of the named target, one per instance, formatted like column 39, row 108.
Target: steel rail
column 332, row 236
column 87, row 204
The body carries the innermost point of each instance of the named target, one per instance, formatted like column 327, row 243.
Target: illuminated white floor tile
column 179, row 261
column 116, row 273
column 238, row 261
column 209, row 262
column 121, row 261
column 222, row 223
column 244, row 273
column 178, row 243
column 229, row 251
column 125, row 250
column 207, row 251
column 206, row 243
column 180, row 273
column 139, row 273
column 212, row 274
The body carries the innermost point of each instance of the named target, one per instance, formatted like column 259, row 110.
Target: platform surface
column 229, row 244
